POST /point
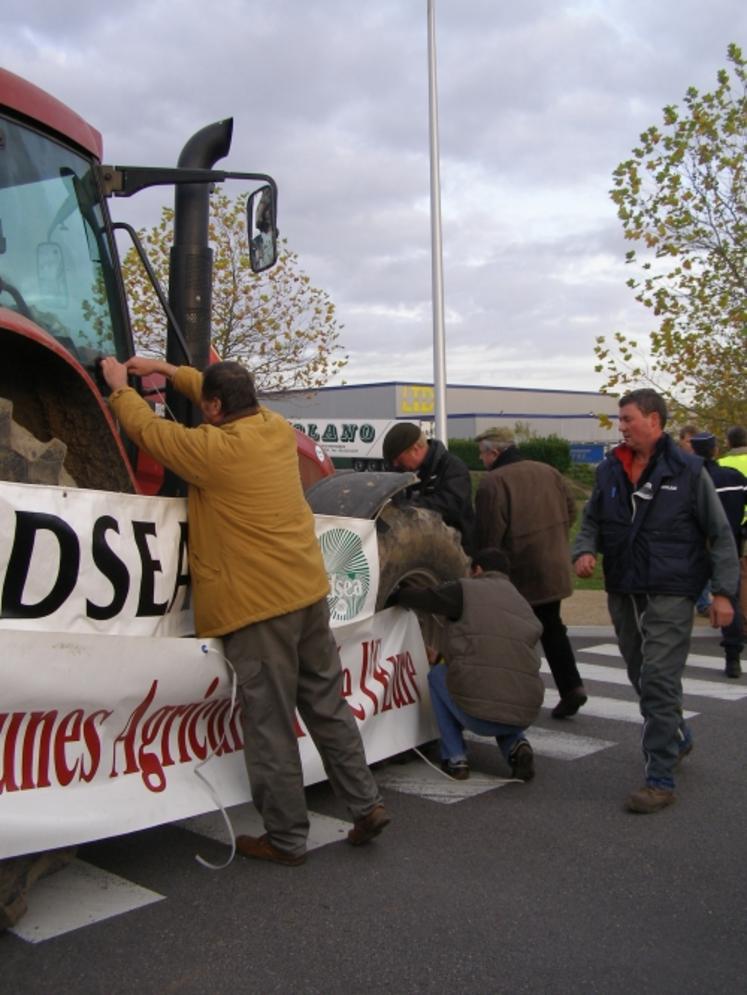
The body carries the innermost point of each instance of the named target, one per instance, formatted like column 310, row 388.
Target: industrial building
column 340, row 417
column 570, row 414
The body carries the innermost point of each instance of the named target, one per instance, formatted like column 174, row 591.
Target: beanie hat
column 399, row 437
column 501, row 436
column 704, row 444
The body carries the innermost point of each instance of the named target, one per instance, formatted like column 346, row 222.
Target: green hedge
column 582, row 473
column 550, row 449
column 468, row 451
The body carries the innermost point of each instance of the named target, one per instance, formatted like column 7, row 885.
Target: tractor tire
column 23, row 459
column 416, row 549
column 26, row 460
column 18, row 874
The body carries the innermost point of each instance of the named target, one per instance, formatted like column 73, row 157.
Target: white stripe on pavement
column 605, row 708
column 563, row 745
column 246, row 821
column 78, row 895
column 690, row 685
column 693, row 660
column 555, row 744
column 418, row 778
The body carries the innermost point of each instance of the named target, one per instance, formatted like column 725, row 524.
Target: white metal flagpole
column 437, row 270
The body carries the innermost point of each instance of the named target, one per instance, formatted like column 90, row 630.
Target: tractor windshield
column 55, row 259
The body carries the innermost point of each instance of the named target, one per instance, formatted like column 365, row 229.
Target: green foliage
column 581, row 474
column 596, row 581
column 548, row 449
column 523, row 431
column 276, row 323
column 681, row 198
column 468, row 451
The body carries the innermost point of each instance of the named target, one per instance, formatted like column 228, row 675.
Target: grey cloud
column 538, row 103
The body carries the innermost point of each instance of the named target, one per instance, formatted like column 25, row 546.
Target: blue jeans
column 704, row 599
column 452, row 721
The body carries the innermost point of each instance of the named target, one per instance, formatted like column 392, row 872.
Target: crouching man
column 490, row 682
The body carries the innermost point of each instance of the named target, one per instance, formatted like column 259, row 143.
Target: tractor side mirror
column 261, row 219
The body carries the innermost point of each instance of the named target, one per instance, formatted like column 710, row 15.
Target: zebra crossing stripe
column 606, row 708
column 554, row 744
column 700, row 660
column 246, row 821
column 690, row 685
column 78, row 895
column 418, row 778
column 565, row 746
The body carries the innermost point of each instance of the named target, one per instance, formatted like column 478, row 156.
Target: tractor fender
column 356, row 495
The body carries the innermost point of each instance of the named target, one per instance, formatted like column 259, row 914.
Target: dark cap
column 704, row 444
column 400, row 437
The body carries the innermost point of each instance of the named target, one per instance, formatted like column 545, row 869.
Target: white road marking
column 690, row 685
column 418, row 778
column 563, row 745
column 700, row 660
column 78, row 895
column 245, row 819
column 558, row 745
column 605, row 708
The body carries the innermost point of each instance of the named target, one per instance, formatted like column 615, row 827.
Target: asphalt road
column 478, row 887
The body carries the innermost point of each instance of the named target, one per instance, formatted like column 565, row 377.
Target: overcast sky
column 539, row 100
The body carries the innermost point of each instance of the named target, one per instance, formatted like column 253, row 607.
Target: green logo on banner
column 348, row 571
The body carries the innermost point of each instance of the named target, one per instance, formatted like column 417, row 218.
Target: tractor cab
column 57, row 264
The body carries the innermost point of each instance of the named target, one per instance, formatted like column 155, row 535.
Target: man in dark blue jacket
column 656, row 518
column 731, row 487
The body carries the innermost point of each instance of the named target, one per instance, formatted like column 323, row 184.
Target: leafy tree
column 276, row 323
column 682, row 198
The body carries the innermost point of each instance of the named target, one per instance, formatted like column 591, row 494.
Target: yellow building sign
column 415, row 399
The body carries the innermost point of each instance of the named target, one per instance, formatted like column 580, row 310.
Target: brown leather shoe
column 649, row 800
column 261, row 848
column 365, row 828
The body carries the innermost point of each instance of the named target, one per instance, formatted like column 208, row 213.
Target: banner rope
column 210, row 788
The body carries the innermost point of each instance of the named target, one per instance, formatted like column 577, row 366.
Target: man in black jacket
column 444, row 483
column 731, row 487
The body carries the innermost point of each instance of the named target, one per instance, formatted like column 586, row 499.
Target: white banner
column 76, row 560
column 361, row 437
column 101, row 735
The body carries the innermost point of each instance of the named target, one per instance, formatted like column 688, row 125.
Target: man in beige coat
column 525, row 508
column 259, row 582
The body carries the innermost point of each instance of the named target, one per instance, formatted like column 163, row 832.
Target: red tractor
column 63, row 306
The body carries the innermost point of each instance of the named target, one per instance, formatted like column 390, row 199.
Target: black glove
column 393, row 598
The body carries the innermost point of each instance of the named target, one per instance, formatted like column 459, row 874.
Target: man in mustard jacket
column 259, row 582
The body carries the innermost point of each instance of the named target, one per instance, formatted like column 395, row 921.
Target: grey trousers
column 282, row 664
column 653, row 633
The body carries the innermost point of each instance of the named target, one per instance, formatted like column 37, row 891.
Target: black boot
column 733, row 667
